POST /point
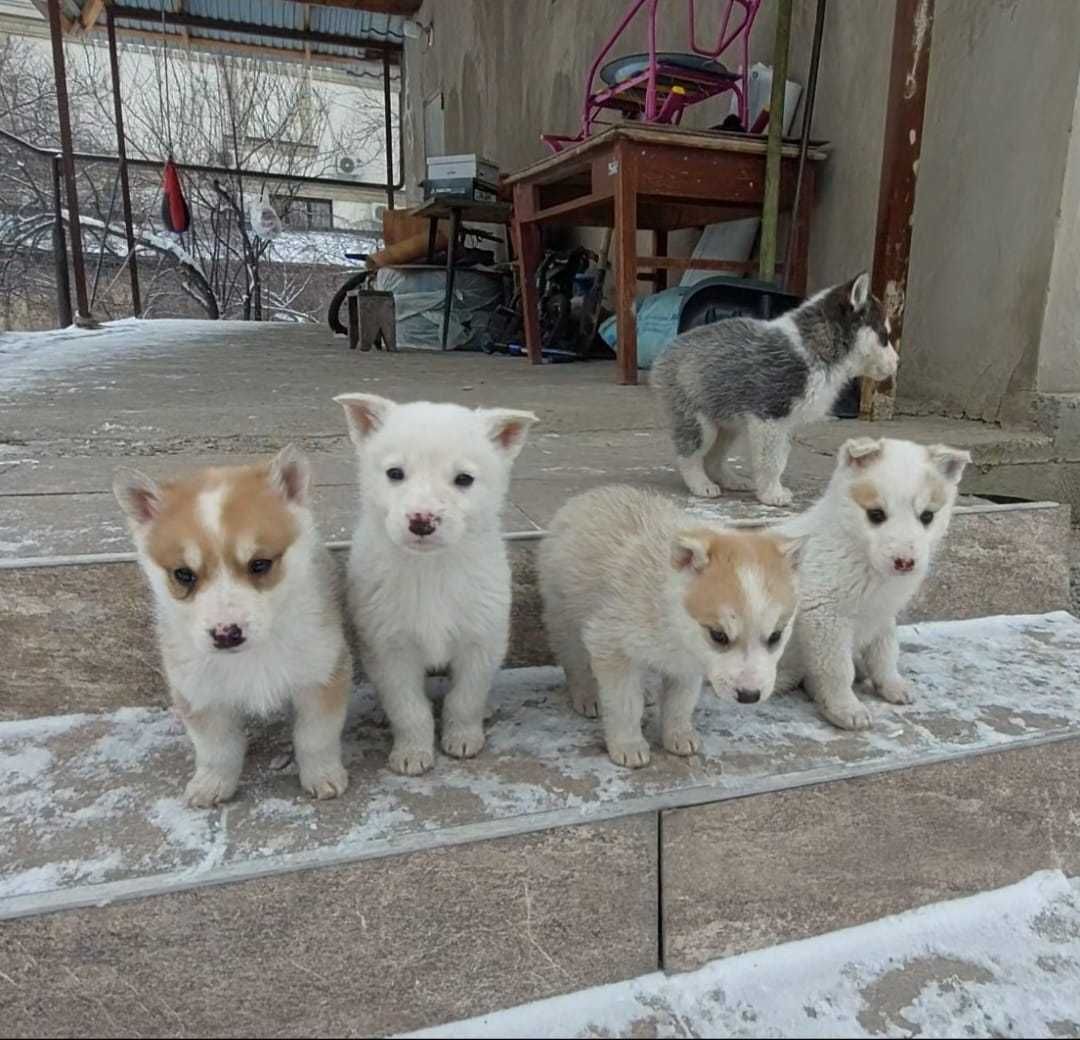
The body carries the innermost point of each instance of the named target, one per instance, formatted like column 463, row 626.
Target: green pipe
column 770, row 210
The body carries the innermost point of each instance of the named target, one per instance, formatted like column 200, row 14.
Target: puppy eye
column 719, row 637
column 395, row 473
column 464, row 480
column 926, row 517
column 260, row 566
column 876, row 516
column 185, row 576
column 774, row 639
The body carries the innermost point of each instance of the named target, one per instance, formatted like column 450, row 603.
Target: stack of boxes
column 461, row 177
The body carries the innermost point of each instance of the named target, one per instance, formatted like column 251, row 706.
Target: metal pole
column 121, row 151
column 804, row 142
column 82, row 312
column 60, row 257
column 389, row 132
column 908, row 76
column 771, row 208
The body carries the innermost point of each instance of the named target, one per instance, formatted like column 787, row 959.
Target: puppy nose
column 226, row 637
column 748, row 696
column 904, row 564
column 421, row 524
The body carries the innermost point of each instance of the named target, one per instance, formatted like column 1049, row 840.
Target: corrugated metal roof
column 365, row 27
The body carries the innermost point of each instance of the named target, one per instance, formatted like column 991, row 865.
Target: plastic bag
column 265, row 223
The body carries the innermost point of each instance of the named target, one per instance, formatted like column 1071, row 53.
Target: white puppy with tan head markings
column 429, row 577
column 247, row 615
column 868, row 543
column 634, row 586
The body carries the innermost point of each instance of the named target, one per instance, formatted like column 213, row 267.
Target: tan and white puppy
column 868, row 543
column 634, row 586
column 247, row 614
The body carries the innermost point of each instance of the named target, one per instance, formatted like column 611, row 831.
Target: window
column 305, row 214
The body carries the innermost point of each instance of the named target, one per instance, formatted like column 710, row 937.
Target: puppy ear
column 690, row 551
column 860, row 291
column 508, row 429
column 859, row 452
column 950, row 462
column 138, row 495
column 365, row 413
column 791, row 548
column 290, row 473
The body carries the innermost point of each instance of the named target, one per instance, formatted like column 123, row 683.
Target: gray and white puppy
column 765, row 379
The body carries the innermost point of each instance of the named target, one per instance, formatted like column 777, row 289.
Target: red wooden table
column 658, row 179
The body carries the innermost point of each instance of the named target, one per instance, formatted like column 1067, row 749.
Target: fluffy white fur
column 429, row 578
column 859, row 571
column 632, row 586
column 294, row 648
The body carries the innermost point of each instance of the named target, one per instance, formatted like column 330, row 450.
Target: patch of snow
column 1001, row 963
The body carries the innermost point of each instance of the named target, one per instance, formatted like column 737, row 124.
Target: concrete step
column 78, row 635
column 538, row 868
column 1000, row 963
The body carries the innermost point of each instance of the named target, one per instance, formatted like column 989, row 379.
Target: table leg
column 530, row 252
column 660, row 249
column 795, row 266
column 451, row 248
column 626, row 274
column 433, row 230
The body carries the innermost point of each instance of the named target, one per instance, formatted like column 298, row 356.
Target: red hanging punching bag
column 175, row 214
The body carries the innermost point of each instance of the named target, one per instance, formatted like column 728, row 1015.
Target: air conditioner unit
column 350, row 167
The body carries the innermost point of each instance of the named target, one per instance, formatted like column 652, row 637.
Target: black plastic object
column 715, row 299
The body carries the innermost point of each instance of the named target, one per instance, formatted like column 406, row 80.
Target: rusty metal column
column 121, row 151
column 82, row 311
column 389, row 131
column 899, row 170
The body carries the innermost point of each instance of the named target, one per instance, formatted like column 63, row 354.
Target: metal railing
column 102, row 232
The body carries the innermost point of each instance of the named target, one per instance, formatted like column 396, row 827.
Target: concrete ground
column 1001, row 963
column 162, row 395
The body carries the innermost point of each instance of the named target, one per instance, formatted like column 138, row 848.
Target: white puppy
column 868, row 542
column 247, row 614
column 632, row 586
column 429, row 577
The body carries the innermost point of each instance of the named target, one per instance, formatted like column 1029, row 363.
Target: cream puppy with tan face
column 868, row 545
column 633, row 586
column 247, row 614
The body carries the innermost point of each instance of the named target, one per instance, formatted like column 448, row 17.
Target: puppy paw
column 462, row 741
column 325, row 781
column 704, row 488
column 410, row 760
column 584, row 702
column 895, row 691
column 208, row 788
column 634, row 754
column 847, row 714
column 775, row 496
column 682, row 742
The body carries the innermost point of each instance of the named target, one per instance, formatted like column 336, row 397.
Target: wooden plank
column 90, row 13
column 740, row 144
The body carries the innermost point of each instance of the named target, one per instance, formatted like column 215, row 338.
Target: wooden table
column 653, row 178
column 456, row 209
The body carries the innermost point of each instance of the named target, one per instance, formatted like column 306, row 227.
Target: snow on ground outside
column 1002, row 963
